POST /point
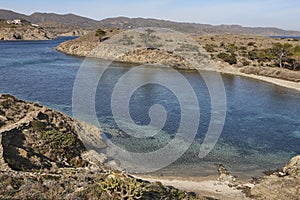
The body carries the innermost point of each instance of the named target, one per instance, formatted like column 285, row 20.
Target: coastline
column 221, row 68
column 279, row 82
column 224, row 186
column 210, row 186
column 112, row 49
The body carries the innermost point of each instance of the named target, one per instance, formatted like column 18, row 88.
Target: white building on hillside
column 14, row 21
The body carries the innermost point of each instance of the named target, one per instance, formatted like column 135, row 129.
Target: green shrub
column 209, row 48
column 37, row 125
column 251, row 44
column 246, row 63
column 100, row 33
column 296, row 50
column 122, row 188
column 59, row 140
column 243, row 48
column 228, row 57
column 231, row 48
column 262, row 55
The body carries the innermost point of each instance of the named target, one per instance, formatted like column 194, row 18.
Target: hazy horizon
column 268, row 13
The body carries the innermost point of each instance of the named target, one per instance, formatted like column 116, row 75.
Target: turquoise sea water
column 262, row 128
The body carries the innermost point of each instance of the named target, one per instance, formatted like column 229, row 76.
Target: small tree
column 228, row 57
column 282, row 52
column 296, row 58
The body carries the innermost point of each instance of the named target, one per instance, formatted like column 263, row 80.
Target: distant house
column 35, row 25
column 15, row 21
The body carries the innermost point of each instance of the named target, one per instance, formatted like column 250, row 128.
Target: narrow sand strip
column 283, row 83
column 210, row 188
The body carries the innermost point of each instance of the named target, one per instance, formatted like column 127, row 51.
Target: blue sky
column 267, row 13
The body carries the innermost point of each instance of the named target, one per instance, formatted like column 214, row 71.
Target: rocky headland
column 25, row 33
column 24, row 30
column 143, row 46
column 249, row 56
column 42, row 156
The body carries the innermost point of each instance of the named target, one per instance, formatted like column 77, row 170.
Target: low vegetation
column 228, row 57
column 122, row 188
column 240, row 51
column 127, row 40
column 100, row 33
column 149, row 38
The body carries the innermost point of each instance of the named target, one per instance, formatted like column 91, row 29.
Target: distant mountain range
column 53, row 20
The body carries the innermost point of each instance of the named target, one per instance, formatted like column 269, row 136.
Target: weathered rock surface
column 25, row 33
column 76, row 32
column 280, row 185
column 34, row 137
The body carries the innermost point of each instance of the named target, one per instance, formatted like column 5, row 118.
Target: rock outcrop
column 142, row 46
column 42, row 157
column 284, row 184
column 34, row 137
column 25, row 33
column 76, row 32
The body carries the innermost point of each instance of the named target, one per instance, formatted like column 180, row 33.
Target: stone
column 293, row 167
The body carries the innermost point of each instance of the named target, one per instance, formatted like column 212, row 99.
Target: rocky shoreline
column 42, row 156
column 174, row 52
column 25, row 33
column 141, row 47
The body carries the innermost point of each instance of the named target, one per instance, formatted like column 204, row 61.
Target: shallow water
column 262, row 128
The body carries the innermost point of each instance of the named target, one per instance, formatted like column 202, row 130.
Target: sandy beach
column 235, row 71
column 204, row 186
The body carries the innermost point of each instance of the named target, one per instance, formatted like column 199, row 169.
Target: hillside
column 23, row 32
column 149, row 46
column 77, row 22
column 68, row 19
column 193, row 28
column 232, row 54
column 8, row 15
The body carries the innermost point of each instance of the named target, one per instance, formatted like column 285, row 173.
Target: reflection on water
column 262, row 129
